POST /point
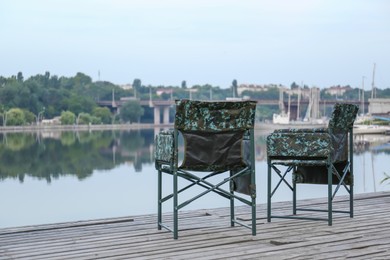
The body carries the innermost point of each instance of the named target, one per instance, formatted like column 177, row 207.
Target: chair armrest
column 296, row 145
column 164, row 147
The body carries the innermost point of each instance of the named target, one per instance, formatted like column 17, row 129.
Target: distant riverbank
column 264, row 127
column 79, row 127
column 261, row 126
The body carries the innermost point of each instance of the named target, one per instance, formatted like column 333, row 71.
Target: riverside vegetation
column 74, row 100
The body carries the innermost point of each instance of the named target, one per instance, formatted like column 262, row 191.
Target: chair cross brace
column 209, row 186
column 282, row 178
column 341, row 182
column 197, row 182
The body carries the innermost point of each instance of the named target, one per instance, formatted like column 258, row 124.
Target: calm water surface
column 69, row 176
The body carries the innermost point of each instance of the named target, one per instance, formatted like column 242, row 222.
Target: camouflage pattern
column 299, row 145
column 343, row 117
column 164, row 147
column 214, row 116
column 312, row 149
column 302, row 130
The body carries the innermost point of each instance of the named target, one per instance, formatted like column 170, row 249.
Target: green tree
column 265, row 112
column 67, row 118
column 234, row 88
column 184, row 84
column 137, row 84
column 294, row 85
column 82, row 79
column 15, row 116
column 131, row 111
column 103, row 113
column 20, row 77
column 96, row 120
column 84, row 119
column 29, row 117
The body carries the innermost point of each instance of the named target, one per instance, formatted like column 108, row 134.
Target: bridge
column 165, row 105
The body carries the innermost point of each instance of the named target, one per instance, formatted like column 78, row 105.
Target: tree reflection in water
column 40, row 173
column 52, row 155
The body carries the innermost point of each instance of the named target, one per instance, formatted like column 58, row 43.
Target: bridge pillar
column 166, row 115
column 156, row 115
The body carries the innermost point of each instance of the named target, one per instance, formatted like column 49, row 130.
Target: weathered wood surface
column 206, row 234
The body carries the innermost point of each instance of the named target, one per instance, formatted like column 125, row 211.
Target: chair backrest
column 214, row 115
column 213, row 133
column 343, row 117
column 340, row 123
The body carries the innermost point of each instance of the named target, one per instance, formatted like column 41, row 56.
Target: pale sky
column 163, row 42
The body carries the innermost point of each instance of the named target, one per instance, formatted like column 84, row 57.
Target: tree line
column 24, row 102
column 75, row 99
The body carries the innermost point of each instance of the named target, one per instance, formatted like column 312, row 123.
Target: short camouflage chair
column 314, row 156
column 218, row 138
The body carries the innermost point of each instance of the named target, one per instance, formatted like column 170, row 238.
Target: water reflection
column 50, row 155
column 49, row 177
column 370, row 162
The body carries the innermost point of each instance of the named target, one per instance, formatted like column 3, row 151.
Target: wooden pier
column 206, row 234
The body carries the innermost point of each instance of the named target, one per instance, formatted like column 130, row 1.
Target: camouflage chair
column 314, row 156
column 218, row 138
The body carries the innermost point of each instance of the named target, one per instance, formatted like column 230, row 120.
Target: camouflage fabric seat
column 218, row 138
column 314, row 156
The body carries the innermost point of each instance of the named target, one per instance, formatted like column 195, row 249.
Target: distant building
column 54, row 121
column 256, row 88
column 161, row 91
column 126, row 86
column 337, row 90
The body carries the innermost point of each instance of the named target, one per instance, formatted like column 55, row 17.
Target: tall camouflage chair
column 218, row 138
column 314, row 156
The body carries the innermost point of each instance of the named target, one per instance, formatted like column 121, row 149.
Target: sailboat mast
column 299, row 101
column 373, row 92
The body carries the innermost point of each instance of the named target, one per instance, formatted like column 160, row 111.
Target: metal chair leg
column 175, row 208
column 351, row 201
column 159, row 194
column 253, row 216
column 232, row 208
column 253, row 196
column 269, row 193
column 294, row 198
column 330, row 195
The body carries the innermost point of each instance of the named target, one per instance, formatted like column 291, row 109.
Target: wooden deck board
column 206, row 234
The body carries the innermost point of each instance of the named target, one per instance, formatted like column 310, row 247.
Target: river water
column 51, row 177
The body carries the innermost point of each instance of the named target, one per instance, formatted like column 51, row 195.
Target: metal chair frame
column 293, row 162
column 169, row 165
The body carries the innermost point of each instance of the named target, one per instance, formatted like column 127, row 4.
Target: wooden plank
column 206, row 234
